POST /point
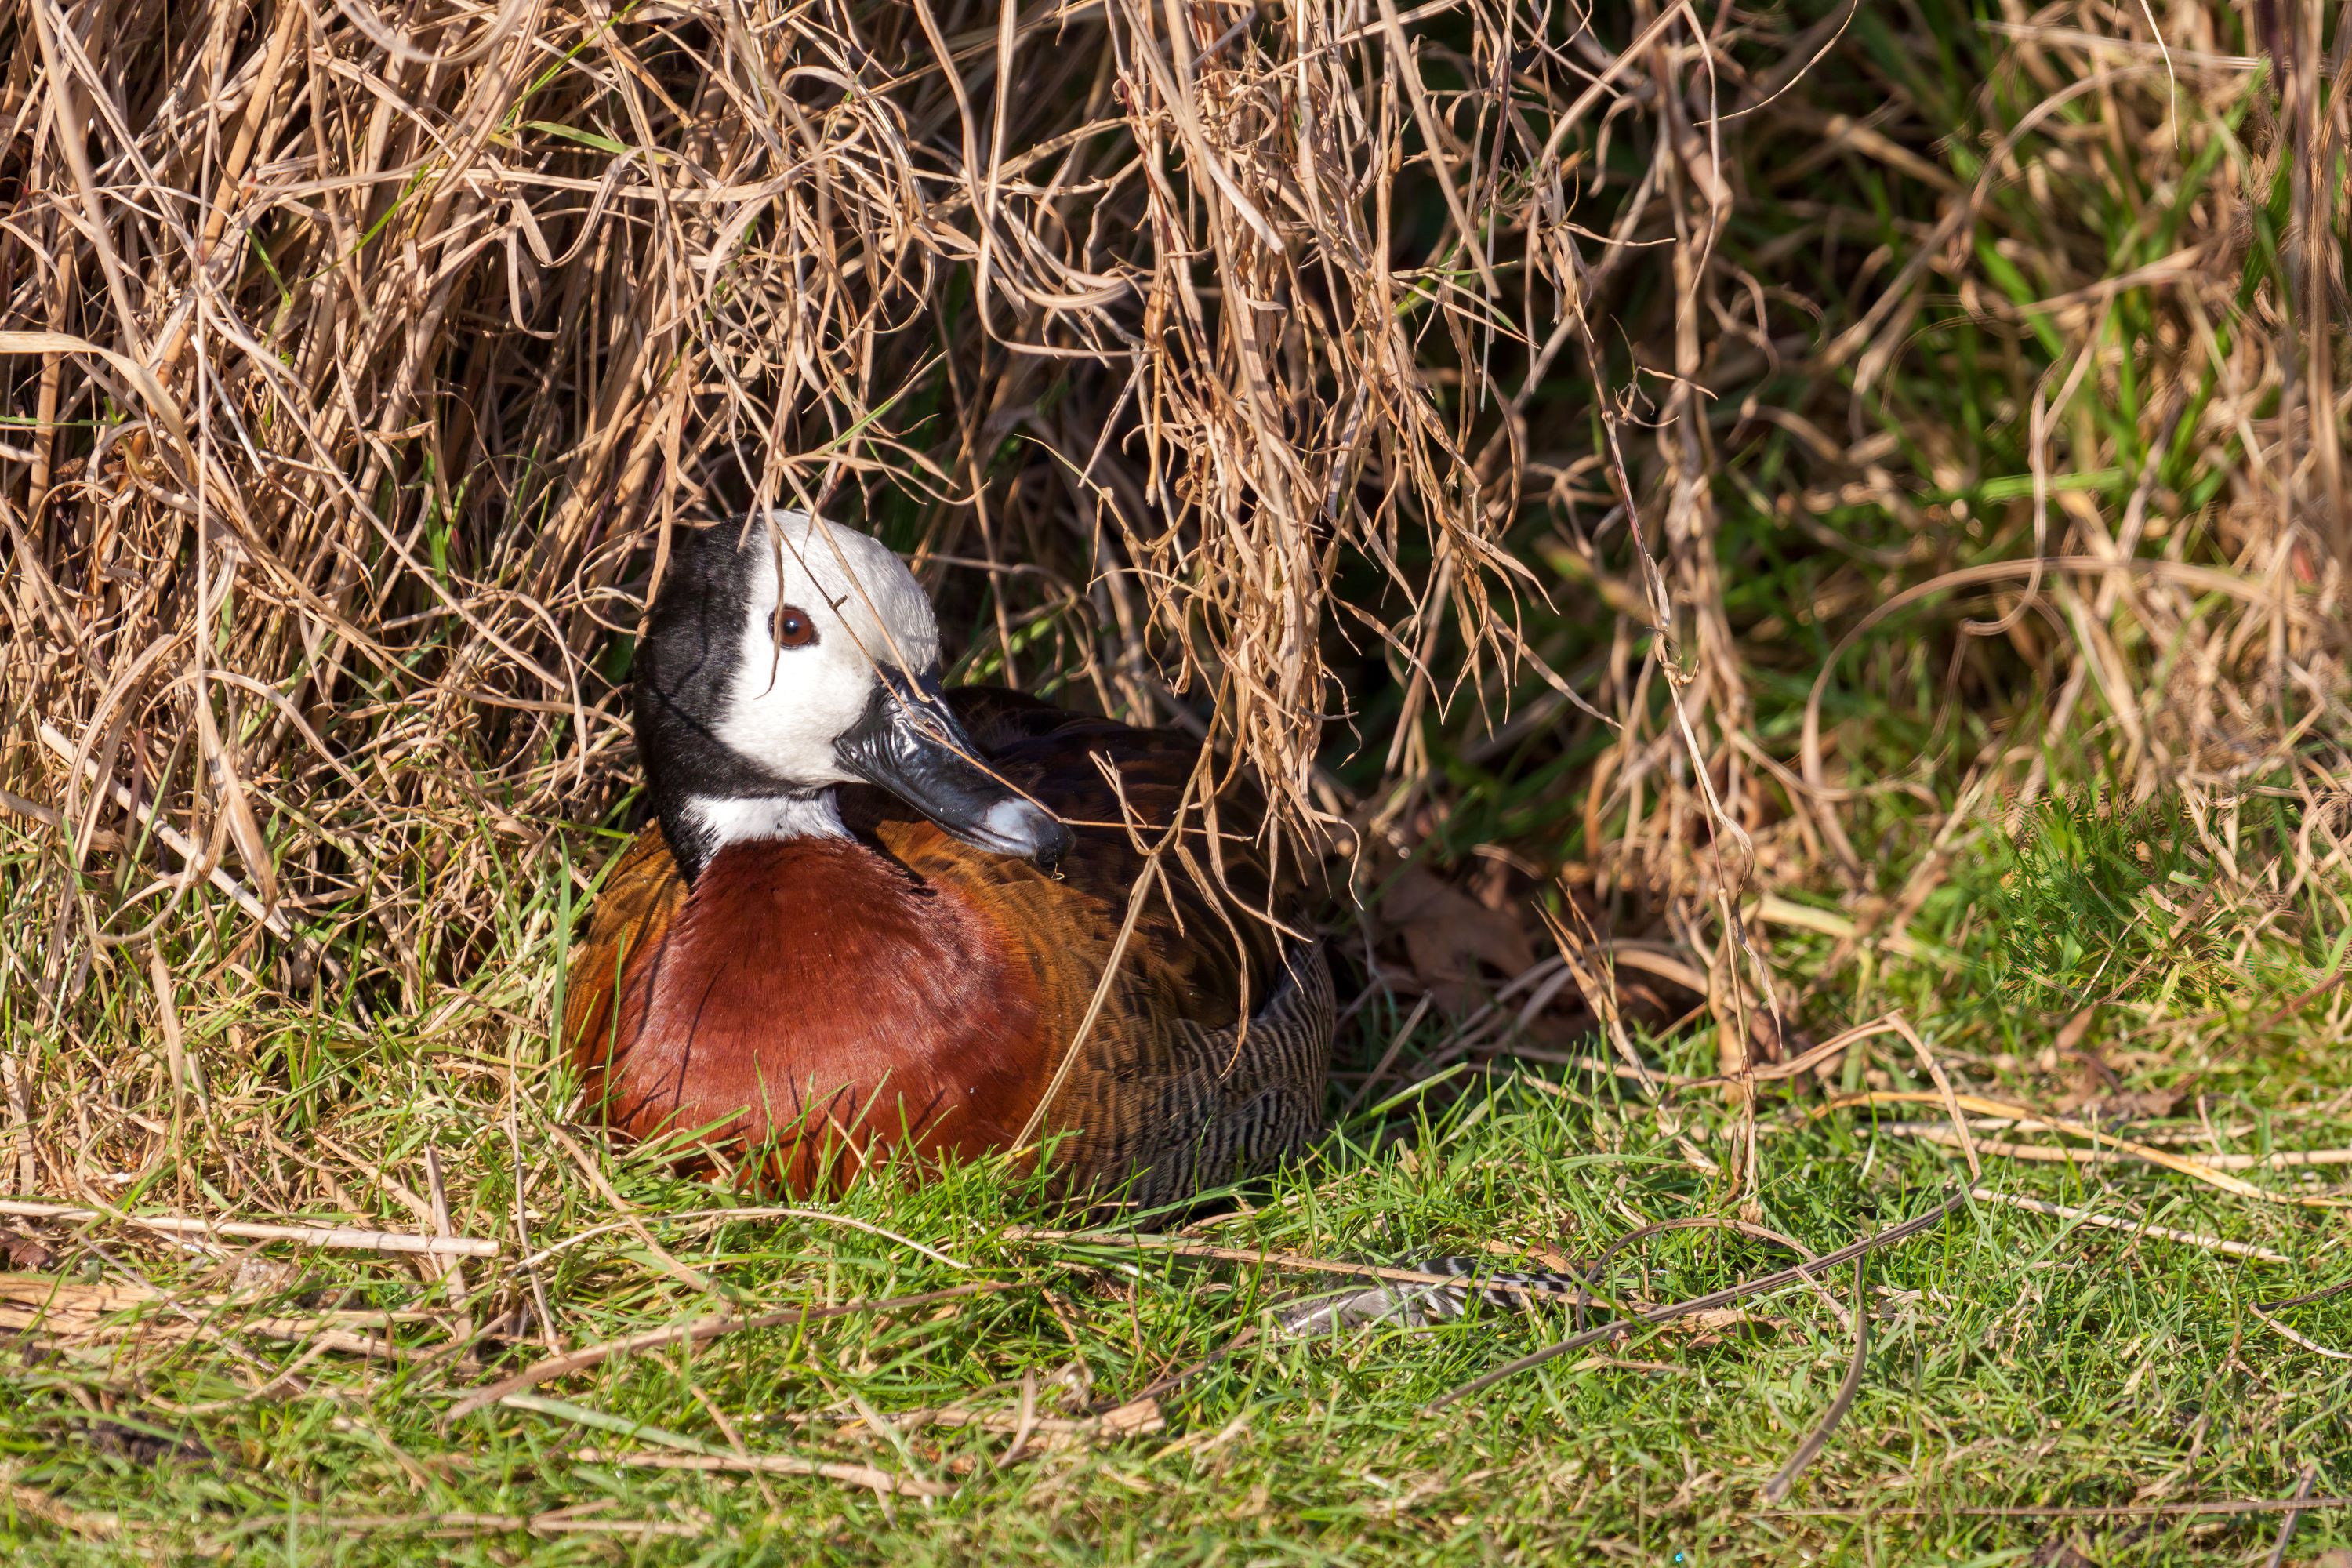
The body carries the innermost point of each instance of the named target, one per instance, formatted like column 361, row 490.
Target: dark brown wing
column 1206, row 930
column 1221, row 921
column 632, row 914
column 1169, row 1080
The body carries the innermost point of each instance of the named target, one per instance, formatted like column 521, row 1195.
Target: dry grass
column 1716, row 470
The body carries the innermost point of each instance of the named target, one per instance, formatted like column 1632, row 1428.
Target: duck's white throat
column 721, row 821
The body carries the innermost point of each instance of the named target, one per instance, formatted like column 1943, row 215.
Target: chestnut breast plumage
column 872, row 915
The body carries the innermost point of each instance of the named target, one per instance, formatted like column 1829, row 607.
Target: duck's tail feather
column 1417, row 1304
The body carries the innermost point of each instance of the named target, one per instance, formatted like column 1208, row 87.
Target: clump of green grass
column 2090, row 904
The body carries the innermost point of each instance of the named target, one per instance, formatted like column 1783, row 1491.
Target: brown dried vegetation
column 1278, row 372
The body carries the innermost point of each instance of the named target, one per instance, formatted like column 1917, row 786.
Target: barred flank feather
column 1202, row 1111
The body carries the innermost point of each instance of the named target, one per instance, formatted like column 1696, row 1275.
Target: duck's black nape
column 693, row 642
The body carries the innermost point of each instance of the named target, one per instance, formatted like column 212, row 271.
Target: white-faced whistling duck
column 872, row 914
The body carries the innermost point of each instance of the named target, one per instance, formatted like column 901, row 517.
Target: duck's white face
column 790, row 656
column 825, row 610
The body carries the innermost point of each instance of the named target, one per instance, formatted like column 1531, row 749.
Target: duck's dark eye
column 793, row 627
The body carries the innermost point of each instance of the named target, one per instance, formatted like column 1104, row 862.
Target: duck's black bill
column 909, row 743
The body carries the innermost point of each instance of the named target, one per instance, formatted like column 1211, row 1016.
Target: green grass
column 2014, row 1359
